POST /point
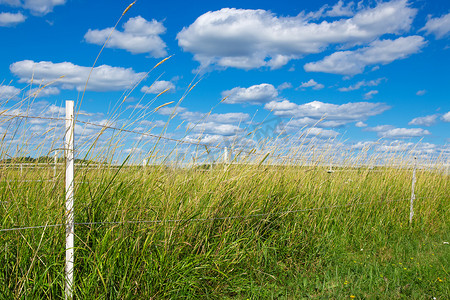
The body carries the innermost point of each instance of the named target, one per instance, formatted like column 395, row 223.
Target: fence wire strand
column 205, row 219
column 32, row 117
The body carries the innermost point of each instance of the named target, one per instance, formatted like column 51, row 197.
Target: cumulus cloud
column 138, row 36
column 324, row 133
column 8, row 92
column 171, row 110
column 158, row 87
column 256, row 94
column 226, row 124
column 360, row 84
column 155, row 123
column 43, row 92
column 227, row 118
column 103, row 78
column 296, row 124
column 424, row 121
column 379, row 128
column 10, row 19
column 397, row 133
column 440, row 27
column 360, row 124
column 36, row 7
column 369, row 95
column 313, row 84
column 248, row 39
column 215, row 128
column 341, row 10
column 284, row 86
column 391, row 132
column 362, row 145
column 204, row 138
column 378, row 52
column 446, row 117
column 349, row 112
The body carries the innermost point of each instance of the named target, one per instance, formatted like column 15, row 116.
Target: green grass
column 360, row 244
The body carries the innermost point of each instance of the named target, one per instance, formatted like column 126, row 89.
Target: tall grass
column 274, row 223
column 231, row 231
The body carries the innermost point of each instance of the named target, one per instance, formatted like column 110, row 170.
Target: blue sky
column 360, row 72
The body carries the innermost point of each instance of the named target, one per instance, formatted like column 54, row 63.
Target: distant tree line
column 42, row 159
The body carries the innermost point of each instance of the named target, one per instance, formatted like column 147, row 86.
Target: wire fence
column 70, row 120
column 227, row 151
column 280, row 213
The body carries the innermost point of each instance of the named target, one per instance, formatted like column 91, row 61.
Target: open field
column 234, row 231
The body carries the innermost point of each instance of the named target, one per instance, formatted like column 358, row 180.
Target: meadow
column 228, row 231
column 275, row 224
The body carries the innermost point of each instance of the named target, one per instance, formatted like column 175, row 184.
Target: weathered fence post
column 413, row 196
column 68, row 149
column 225, row 155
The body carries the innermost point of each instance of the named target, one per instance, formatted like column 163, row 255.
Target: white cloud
column 256, row 94
column 360, row 124
column 404, row 133
column 379, row 128
column 421, row 92
column 323, row 133
column 378, row 52
column 138, row 36
column 227, row 118
column 216, row 124
column 43, row 92
column 349, row 112
column 158, row 87
column 362, row 145
column 284, row 85
column 423, row 150
column 247, row 39
column 10, row 19
column 360, row 84
column 103, row 78
column 296, row 124
column 440, row 27
column 169, row 110
column 312, row 83
column 37, row 7
column 284, row 105
column 369, row 95
column 446, row 117
column 339, row 9
column 424, row 121
column 216, row 128
column 204, row 138
column 156, row 123
column 8, row 92
column 389, row 131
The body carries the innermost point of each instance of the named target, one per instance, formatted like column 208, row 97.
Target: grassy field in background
column 237, row 232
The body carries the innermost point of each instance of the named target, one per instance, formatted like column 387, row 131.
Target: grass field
column 238, row 231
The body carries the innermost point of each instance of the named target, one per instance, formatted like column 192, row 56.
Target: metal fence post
column 68, row 149
column 413, row 196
